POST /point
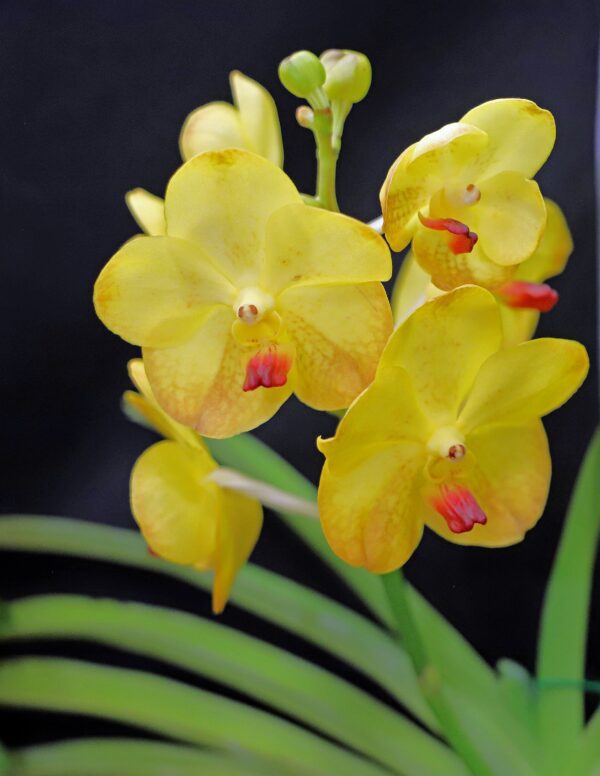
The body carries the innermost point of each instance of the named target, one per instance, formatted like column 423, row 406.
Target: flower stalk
column 428, row 675
column 327, row 157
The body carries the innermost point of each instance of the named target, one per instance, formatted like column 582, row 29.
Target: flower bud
column 348, row 75
column 302, row 73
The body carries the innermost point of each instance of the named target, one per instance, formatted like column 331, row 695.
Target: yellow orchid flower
column 251, row 123
column 185, row 516
column 521, row 300
column 463, row 194
column 448, row 435
column 251, row 295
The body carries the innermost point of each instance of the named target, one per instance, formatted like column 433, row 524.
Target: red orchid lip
column 462, row 239
column 459, row 508
column 521, row 294
column 268, row 368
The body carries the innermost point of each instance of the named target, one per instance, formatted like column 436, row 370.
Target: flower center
column 252, row 304
column 471, row 195
column 449, row 443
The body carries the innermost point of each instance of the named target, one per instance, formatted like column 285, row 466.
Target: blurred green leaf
column 108, row 757
column 264, row 672
column 517, row 687
column 312, row 616
column 176, row 710
column 586, row 754
column 563, row 631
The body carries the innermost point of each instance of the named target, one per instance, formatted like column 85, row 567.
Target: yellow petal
column 556, row 245
column 510, row 481
column 449, row 270
column 258, row 117
column 420, row 171
column 521, row 135
column 199, row 383
column 222, row 200
column 308, row 246
column 518, row 324
column 339, row 333
column 145, row 403
column 148, row 211
column 383, row 415
column 442, row 347
column 155, row 291
column 238, row 530
column 174, row 506
column 511, row 217
column 211, row 127
column 412, row 288
column 524, row 382
column 371, row 511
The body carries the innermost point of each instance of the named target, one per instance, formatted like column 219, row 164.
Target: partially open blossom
column 521, row 299
column 251, row 295
column 448, row 435
column 251, row 123
column 184, row 515
column 463, row 194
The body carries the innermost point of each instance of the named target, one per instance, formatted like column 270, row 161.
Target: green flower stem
column 308, row 614
column 327, row 158
column 260, row 670
column 169, row 708
column 564, row 624
column 110, row 756
column 430, row 679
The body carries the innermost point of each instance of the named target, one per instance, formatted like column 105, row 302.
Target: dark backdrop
column 92, row 97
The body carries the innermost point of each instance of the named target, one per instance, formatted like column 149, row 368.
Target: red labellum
column 461, row 240
column 268, row 368
column 459, row 508
column 530, row 296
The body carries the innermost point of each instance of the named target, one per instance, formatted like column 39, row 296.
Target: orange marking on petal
column 268, row 368
column 531, row 296
column 461, row 240
column 459, row 508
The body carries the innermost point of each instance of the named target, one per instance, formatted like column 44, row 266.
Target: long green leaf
column 110, row 756
column 586, row 755
column 172, row 709
column 308, row 614
column 262, row 671
column 563, row 632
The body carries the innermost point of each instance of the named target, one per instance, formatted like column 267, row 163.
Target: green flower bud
column 302, row 73
column 348, row 75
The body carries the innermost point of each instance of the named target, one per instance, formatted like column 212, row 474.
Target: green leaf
column 264, row 672
column 517, row 686
column 563, row 632
column 308, row 614
column 169, row 708
column 586, row 753
column 110, row 756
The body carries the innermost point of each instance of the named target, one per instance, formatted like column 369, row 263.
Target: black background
column 92, row 97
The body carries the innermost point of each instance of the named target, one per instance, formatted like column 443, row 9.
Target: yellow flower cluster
column 240, row 294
